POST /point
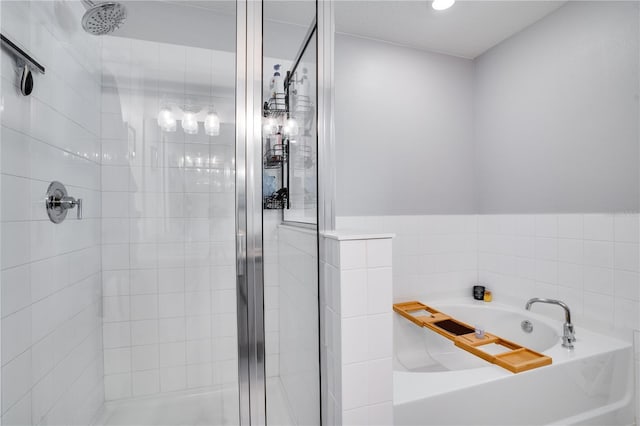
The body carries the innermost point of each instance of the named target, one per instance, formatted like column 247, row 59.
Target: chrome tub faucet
column 568, row 336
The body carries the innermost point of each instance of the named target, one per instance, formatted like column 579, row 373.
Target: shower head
column 103, row 17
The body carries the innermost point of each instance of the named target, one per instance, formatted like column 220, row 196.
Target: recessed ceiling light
column 442, row 4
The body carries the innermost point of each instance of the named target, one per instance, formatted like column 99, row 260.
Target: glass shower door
column 301, row 129
column 126, row 315
column 289, row 137
column 168, row 154
column 148, row 309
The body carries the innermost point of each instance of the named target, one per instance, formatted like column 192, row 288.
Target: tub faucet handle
column 568, row 333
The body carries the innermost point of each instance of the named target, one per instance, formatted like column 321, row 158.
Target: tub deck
column 591, row 384
column 512, row 356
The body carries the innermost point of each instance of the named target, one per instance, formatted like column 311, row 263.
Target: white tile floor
column 213, row 407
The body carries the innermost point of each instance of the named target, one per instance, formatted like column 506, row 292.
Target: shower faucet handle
column 58, row 203
column 78, row 204
column 67, row 203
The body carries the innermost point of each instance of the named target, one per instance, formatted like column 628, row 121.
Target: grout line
column 33, row 385
column 52, row 108
column 31, row 179
column 52, row 146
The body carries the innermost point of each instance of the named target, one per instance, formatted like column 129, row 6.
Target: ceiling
column 297, row 12
column 467, row 29
column 207, row 24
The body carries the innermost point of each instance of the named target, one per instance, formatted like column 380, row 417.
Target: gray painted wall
column 557, row 114
column 546, row 121
column 404, row 143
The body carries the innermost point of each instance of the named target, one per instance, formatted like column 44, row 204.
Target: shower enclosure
column 161, row 298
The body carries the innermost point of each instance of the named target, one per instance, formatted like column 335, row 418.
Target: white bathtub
column 436, row 383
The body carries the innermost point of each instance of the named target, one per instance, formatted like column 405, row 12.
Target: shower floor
column 200, row 408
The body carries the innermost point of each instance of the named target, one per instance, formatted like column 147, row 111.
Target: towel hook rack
column 26, row 62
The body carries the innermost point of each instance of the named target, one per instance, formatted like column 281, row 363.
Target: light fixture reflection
column 270, row 126
column 291, row 127
column 442, row 4
column 212, row 124
column 190, row 123
column 166, row 120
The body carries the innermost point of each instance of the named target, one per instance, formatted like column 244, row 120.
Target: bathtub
column 436, row 383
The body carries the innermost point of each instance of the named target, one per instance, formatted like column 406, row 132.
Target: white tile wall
column 590, row 261
column 168, row 222
column 636, row 344
column 357, row 338
column 433, row 256
column 270, row 221
column 51, row 326
column 298, row 321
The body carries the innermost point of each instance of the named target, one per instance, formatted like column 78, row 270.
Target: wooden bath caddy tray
column 515, row 358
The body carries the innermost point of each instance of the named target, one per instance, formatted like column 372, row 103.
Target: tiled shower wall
column 298, row 321
column 270, row 222
column 168, row 222
column 51, row 294
column 588, row 260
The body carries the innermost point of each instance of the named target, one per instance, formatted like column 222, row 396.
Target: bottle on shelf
column 277, row 88
column 304, row 86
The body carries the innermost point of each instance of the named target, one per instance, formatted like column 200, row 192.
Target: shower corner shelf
column 301, row 157
column 276, row 106
column 275, row 157
column 515, row 358
column 276, row 201
column 272, row 203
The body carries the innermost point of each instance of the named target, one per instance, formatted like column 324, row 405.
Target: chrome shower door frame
column 326, row 167
column 326, row 129
column 249, row 258
column 249, row 249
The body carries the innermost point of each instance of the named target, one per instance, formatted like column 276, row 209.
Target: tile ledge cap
column 346, row 235
column 301, row 229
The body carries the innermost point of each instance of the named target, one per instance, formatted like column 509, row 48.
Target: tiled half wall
column 591, row 261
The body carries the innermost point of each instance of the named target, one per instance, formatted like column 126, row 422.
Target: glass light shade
column 270, row 126
column 212, row 124
column 442, row 4
column 189, row 123
column 166, row 120
column 291, row 127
